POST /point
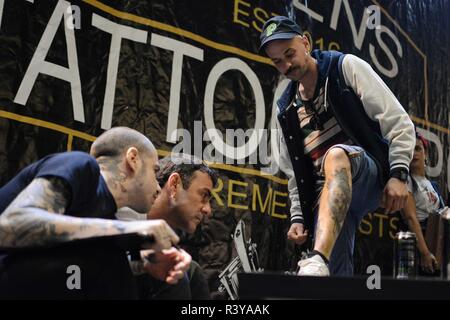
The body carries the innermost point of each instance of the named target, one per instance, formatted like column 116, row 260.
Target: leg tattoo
column 340, row 195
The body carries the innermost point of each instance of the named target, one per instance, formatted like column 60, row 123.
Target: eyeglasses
column 310, row 110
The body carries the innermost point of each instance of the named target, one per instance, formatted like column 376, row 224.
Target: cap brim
column 277, row 36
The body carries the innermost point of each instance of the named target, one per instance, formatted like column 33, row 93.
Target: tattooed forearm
column 340, row 195
column 27, row 229
column 33, row 227
column 35, row 218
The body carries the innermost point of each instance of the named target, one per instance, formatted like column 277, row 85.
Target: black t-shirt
column 90, row 196
column 43, row 270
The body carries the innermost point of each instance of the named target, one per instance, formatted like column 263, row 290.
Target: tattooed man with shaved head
column 50, row 209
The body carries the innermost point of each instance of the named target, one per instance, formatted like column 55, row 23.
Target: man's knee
column 336, row 157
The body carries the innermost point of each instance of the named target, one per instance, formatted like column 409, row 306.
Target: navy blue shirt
column 90, row 196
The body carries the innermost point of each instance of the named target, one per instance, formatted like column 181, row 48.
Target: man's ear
column 132, row 159
column 305, row 41
column 174, row 182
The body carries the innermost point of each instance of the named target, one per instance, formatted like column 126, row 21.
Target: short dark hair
column 186, row 166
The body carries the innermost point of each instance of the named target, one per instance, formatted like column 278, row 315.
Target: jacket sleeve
column 382, row 106
column 286, row 166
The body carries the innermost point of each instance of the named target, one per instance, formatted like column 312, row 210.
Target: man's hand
column 297, row 233
column 428, row 262
column 168, row 265
column 395, row 195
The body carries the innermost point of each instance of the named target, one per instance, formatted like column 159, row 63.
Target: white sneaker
column 313, row 266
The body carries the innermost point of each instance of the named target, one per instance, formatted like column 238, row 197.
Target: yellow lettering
column 259, row 18
column 236, row 12
column 366, row 221
column 394, row 227
column 320, row 43
column 334, row 46
column 232, row 193
column 216, row 190
column 380, row 224
column 256, row 192
column 278, row 204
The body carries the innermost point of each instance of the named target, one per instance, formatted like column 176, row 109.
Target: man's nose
column 158, row 189
column 206, row 210
column 286, row 66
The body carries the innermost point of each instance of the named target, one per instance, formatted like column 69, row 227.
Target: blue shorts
column 366, row 196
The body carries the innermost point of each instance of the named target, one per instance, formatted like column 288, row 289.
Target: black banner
column 176, row 69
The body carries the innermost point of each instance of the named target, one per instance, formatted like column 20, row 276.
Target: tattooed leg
column 334, row 201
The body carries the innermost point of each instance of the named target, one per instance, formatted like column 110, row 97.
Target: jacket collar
column 323, row 59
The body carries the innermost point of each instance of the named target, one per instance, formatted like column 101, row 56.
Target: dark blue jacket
column 349, row 112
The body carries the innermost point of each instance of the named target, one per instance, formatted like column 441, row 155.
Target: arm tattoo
column 35, row 218
column 51, row 194
column 25, row 231
column 340, row 196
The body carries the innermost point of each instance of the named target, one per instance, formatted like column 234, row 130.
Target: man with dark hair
column 186, row 184
column 346, row 144
column 73, row 196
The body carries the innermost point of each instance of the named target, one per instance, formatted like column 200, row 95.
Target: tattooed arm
column 35, row 218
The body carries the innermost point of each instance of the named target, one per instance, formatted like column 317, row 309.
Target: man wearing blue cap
column 346, row 145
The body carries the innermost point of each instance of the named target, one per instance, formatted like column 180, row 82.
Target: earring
column 172, row 201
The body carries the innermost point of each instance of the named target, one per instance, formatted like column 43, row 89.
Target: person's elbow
column 14, row 223
column 6, row 225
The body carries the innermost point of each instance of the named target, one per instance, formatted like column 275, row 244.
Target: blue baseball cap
column 279, row 28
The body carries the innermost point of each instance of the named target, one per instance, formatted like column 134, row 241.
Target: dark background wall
column 410, row 50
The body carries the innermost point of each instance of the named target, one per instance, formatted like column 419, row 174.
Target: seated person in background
column 72, row 196
column 423, row 200
column 184, row 201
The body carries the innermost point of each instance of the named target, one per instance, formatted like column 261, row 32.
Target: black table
column 283, row 286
